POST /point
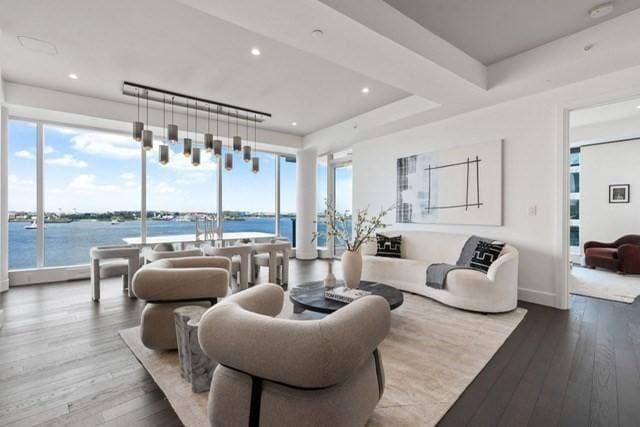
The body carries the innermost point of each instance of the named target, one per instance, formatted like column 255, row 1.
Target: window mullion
column 40, row 195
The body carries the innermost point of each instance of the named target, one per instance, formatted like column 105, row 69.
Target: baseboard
column 537, row 297
column 48, row 275
column 4, row 285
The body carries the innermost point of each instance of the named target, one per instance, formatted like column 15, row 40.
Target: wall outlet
column 533, row 210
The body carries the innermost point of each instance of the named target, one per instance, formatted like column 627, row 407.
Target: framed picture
column 619, row 193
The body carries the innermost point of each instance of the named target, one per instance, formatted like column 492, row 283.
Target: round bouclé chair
column 167, row 284
column 281, row 372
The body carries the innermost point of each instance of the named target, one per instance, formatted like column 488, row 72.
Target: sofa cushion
column 608, row 253
column 389, row 247
column 485, row 254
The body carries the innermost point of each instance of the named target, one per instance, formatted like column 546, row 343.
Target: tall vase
column 351, row 269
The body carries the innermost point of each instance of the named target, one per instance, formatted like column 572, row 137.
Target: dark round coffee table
column 310, row 296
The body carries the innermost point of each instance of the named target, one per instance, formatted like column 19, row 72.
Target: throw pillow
column 485, row 254
column 389, row 246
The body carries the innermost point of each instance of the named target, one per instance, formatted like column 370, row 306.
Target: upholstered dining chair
column 240, row 256
column 280, row 372
column 167, row 284
column 274, row 256
column 115, row 260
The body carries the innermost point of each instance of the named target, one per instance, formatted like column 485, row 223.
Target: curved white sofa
column 493, row 292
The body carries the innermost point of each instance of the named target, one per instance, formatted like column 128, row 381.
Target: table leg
column 297, row 308
column 95, row 279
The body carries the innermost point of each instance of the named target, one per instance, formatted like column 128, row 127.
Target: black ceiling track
column 182, row 100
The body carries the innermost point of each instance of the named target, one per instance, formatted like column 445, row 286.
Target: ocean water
column 69, row 243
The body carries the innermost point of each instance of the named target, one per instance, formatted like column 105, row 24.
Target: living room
column 311, row 213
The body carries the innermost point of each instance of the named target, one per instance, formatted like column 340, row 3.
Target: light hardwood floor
column 63, row 363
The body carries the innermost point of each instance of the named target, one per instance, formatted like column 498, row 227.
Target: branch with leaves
column 364, row 227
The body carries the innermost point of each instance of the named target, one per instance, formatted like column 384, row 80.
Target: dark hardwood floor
column 62, row 362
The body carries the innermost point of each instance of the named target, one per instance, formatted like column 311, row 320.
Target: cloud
column 128, row 176
column 14, row 181
column 25, row 154
column 106, row 145
column 48, row 149
column 87, row 184
column 68, row 161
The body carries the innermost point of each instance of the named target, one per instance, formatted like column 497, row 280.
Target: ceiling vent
column 37, row 45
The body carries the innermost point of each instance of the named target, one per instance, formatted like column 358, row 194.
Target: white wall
column 533, row 172
column 602, row 165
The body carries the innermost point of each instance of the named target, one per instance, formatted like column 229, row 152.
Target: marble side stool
column 195, row 366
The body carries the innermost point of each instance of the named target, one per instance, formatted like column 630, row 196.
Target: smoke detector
column 601, row 10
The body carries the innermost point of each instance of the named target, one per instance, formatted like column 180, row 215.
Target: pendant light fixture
column 164, row 148
column 172, row 129
column 147, row 134
column 237, row 140
column 138, row 126
column 246, row 150
column 186, row 148
column 195, row 155
column 217, row 143
column 208, row 138
column 255, row 161
column 228, row 157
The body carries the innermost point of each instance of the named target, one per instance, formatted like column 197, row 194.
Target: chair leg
column 125, row 282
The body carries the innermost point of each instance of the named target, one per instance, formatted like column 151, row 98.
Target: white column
column 4, row 209
column 306, row 164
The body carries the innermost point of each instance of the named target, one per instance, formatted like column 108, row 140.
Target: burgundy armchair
column 622, row 256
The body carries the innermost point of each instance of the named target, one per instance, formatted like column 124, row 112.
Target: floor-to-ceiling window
column 91, row 192
column 321, row 198
column 343, row 200
column 22, row 195
column 178, row 192
column 248, row 199
column 288, row 197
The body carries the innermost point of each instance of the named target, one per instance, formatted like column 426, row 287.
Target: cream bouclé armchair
column 167, row 284
column 280, row 372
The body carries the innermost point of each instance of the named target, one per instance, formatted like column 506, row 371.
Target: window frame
column 23, row 276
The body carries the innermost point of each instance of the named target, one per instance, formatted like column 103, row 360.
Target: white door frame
column 563, row 112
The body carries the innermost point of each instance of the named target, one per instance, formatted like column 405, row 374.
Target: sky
column 90, row 171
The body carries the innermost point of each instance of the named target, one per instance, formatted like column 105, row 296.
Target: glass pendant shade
column 217, row 147
column 147, row 140
column 164, row 154
column 208, row 142
column 137, row 131
column 172, row 133
column 246, row 153
column 228, row 161
column 195, row 156
column 186, row 150
column 237, row 143
column 255, row 165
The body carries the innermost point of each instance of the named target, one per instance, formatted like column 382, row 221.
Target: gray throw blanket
column 437, row 273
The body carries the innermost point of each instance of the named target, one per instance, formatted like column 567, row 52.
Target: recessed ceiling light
column 294, row 124
column 255, row 51
column 601, row 10
column 317, row 33
column 73, row 76
column 638, row 107
column 365, row 90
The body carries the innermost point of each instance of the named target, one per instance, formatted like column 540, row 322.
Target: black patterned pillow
column 485, row 254
column 389, row 246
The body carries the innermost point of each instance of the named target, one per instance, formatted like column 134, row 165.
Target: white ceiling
column 606, row 113
column 492, row 30
column 166, row 44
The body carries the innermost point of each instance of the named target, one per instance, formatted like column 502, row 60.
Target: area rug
column 604, row 284
column 431, row 355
